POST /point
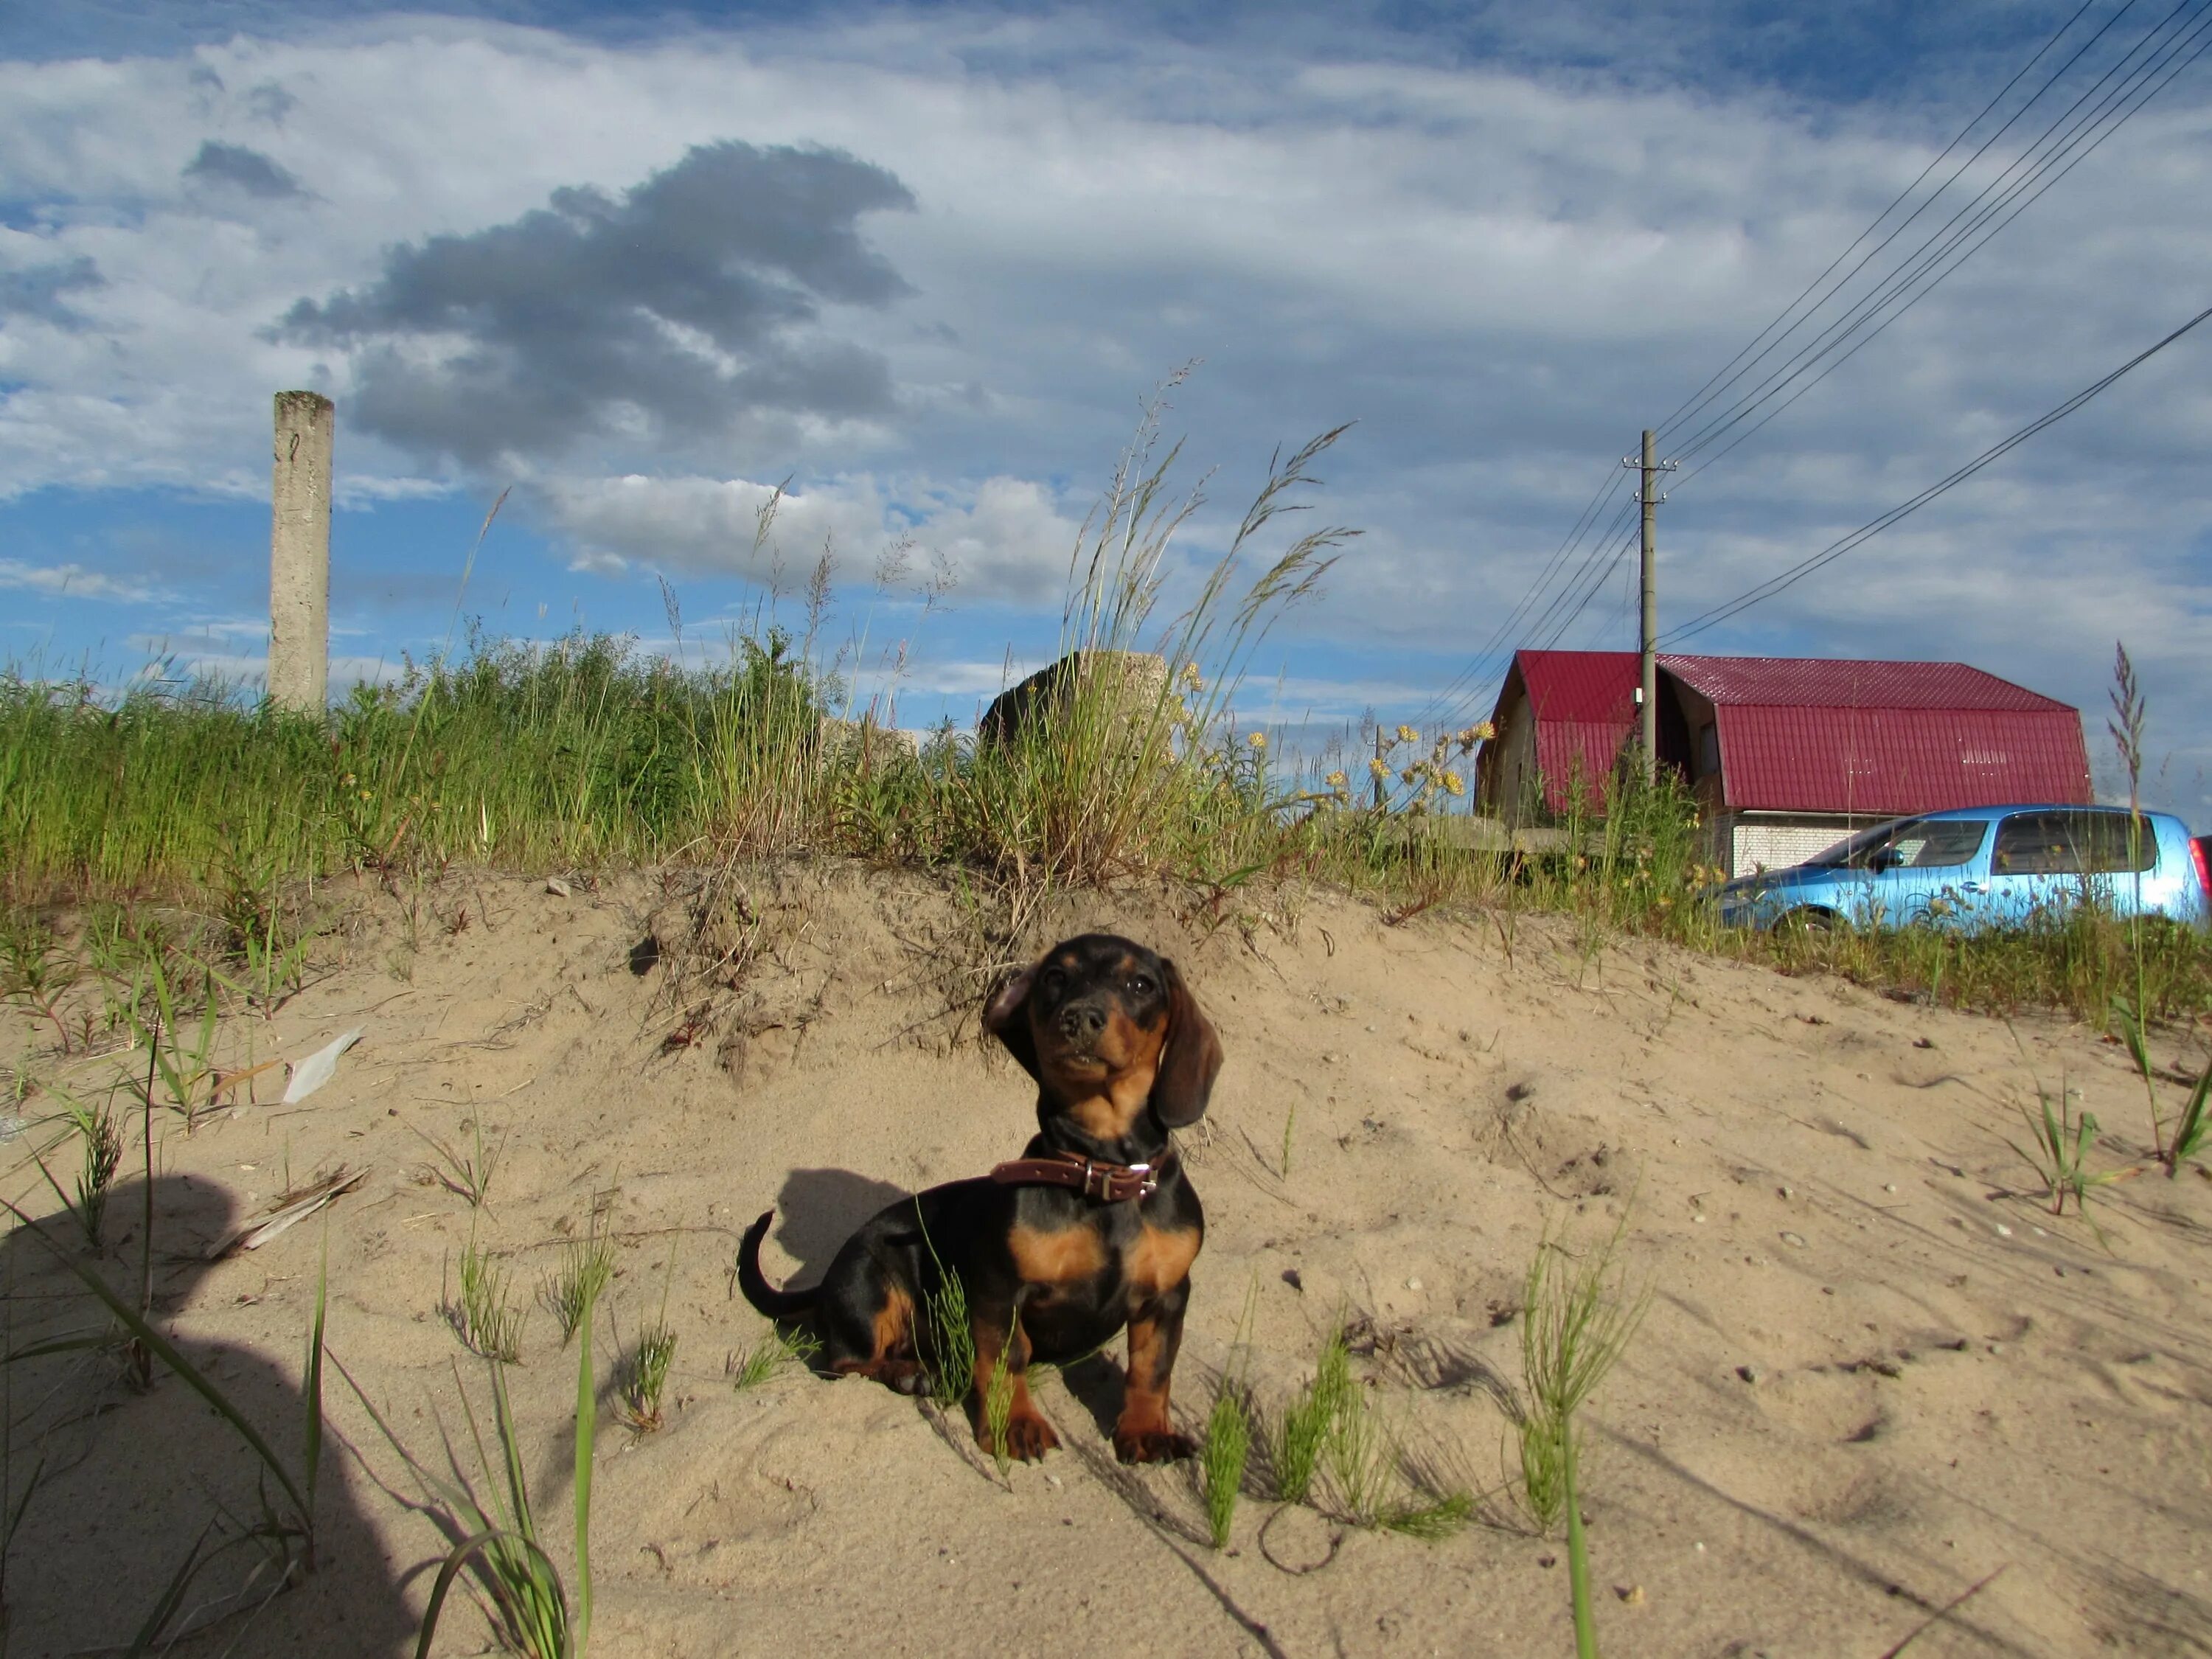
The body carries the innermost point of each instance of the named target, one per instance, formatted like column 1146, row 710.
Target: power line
column 1837, row 549
column 1615, row 554
column 1470, row 682
column 1705, row 393
column 1864, row 320
column 1461, row 688
column 1976, row 213
column 2204, row 28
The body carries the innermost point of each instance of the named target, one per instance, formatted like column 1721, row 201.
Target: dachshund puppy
column 1093, row 1230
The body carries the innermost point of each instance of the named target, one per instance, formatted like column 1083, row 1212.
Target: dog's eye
column 1142, row 985
column 1052, row 980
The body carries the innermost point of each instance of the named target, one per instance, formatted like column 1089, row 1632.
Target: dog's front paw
column 1152, row 1445
column 1029, row 1437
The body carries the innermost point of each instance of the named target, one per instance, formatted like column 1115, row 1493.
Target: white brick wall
column 1777, row 846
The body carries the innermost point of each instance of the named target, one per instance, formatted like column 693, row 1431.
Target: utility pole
column 300, row 554
column 1647, row 696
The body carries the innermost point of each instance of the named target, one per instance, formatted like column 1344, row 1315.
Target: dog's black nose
column 1082, row 1021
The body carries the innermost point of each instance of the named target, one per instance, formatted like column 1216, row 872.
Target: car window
column 2106, row 844
column 2071, row 844
column 1936, row 844
column 1853, row 852
column 2035, row 844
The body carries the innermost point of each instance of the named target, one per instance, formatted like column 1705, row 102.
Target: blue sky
column 925, row 263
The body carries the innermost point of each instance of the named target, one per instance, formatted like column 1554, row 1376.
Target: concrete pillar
column 300, row 553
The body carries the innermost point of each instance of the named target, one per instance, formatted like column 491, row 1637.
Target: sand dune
column 1873, row 1372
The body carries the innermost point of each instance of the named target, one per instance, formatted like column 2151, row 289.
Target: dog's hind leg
column 873, row 1338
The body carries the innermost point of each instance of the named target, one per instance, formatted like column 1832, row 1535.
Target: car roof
column 1986, row 813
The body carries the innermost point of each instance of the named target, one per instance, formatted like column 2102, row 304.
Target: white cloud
column 181, row 658
column 74, row 581
column 1006, row 539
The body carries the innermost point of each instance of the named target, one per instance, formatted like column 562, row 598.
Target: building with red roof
column 1784, row 755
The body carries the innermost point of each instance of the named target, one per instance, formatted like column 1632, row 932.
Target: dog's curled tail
column 776, row 1304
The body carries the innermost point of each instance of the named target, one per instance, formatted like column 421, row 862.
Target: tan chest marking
column 1108, row 1114
column 1059, row 1256
column 1160, row 1259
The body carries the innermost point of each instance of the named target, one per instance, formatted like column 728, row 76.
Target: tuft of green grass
column 1577, row 1320
column 183, row 1058
column 1303, row 1432
column 2130, row 715
column 99, row 1136
column 1360, row 1458
column 1222, row 1454
column 1431, row 1520
column 258, row 933
column 465, row 1172
column 642, row 1375
column 482, row 1316
column 751, row 1365
column 999, row 1396
column 533, row 1611
column 2059, row 1139
column 35, row 970
column 587, row 1267
column 1331, row 1448
column 100, row 1154
column 2191, row 1128
column 948, row 1330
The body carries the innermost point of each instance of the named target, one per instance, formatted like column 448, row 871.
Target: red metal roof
column 1579, row 685
column 1817, row 735
column 1828, row 682
column 1886, row 761
column 1584, row 704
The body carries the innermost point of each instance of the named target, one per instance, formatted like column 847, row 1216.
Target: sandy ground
column 1873, row 1372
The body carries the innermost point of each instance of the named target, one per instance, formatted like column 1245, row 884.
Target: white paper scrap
column 318, row 1068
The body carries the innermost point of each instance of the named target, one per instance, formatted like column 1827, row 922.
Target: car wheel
column 1811, row 920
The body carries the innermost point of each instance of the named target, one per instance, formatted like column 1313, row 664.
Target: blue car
column 1985, row 866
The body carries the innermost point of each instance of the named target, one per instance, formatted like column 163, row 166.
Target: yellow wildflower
column 1406, row 734
column 1379, row 767
column 1258, row 741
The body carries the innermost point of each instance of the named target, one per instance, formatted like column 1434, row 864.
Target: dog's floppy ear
column 1189, row 1059
column 1006, row 1017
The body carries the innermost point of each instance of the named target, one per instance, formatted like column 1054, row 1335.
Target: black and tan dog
column 1092, row 1229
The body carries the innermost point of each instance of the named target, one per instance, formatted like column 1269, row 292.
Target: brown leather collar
column 1110, row 1183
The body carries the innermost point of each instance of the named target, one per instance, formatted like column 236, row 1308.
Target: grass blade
column 1578, row 1589
column 171, row 1598
column 311, row 1381
column 2189, row 1129
column 587, row 1420
column 458, row 1558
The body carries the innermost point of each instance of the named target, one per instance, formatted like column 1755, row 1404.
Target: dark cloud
column 245, row 169
column 36, row 290
column 686, row 302
column 269, row 102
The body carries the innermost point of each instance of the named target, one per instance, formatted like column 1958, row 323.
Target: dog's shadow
column 818, row 1210
column 1095, row 1383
